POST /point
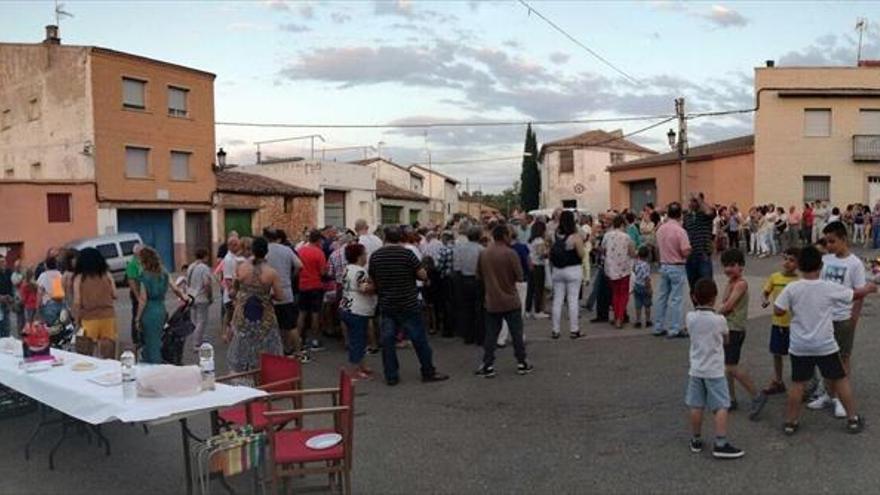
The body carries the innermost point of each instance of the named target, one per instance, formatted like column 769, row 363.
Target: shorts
column 104, row 328
column 286, row 315
column 779, row 340
column 642, row 297
column 707, row 393
column 311, row 301
column 733, row 347
column 830, row 366
column 845, row 334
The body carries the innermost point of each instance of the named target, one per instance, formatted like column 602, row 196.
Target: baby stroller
column 178, row 327
column 57, row 318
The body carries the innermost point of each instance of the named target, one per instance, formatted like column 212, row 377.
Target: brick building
column 247, row 203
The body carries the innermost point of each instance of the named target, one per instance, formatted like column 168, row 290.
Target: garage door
column 155, row 228
column 641, row 193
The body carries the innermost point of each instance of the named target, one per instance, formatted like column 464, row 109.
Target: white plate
column 324, row 441
column 107, row 379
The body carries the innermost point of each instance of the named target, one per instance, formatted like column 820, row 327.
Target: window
column 817, row 122
column 414, row 216
column 58, row 207
column 179, row 165
column 334, row 208
column 33, row 109
column 869, row 121
column 133, row 93
column 108, row 251
column 566, row 161
column 616, row 158
column 136, row 161
column 36, row 170
column 127, row 247
column 391, row 215
column 6, row 119
column 288, row 205
column 177, row 101
column 569, row 203
column 817, row 188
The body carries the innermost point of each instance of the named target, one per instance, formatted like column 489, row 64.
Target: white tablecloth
column 72, row 393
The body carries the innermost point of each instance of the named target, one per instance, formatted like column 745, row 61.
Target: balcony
column 866, row 148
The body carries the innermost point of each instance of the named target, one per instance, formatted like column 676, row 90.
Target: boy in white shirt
column 707, row 383
column 811, row 303
column 841, row 267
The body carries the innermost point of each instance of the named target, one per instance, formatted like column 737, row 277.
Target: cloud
column 340, row 17
column 514, row 44
column 294, row 28
column 833, row 50
column 279, row 5
column 306, row 10
column 559, row 58
column 725, row 17
column 402, row 8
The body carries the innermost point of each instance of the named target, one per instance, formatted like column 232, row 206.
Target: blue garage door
column 155, row 229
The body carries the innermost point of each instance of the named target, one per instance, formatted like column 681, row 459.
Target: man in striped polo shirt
column 394, row 270
column 698, row 224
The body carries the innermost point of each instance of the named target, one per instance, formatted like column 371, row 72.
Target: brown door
column 198, row 234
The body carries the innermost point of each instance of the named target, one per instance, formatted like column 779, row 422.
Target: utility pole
column 682, row 146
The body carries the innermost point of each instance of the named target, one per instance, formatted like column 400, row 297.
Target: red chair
column 290, row 455
column 275, row 374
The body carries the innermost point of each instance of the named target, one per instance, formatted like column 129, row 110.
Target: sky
column 397, row 61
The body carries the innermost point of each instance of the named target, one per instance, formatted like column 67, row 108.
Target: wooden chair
column 290, row 455
column 275, row 374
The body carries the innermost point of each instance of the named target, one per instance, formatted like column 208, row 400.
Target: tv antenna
column 861, row 27
column 60, row 13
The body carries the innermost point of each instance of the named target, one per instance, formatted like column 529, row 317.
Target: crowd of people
column 383, row 289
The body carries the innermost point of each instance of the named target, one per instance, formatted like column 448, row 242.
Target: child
column 735, row 307
column 707, row 386
column 642, row 292
column 357, row 306
column 28, row 292
column 780, row 323
column 812, row 303
column 842, row 267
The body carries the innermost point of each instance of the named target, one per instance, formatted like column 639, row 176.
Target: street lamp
column 221, row 159
column 671, row 136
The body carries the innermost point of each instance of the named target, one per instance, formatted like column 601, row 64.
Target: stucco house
column 442, row 191
column 574, row 169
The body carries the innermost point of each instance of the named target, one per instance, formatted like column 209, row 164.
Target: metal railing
column 866, row 148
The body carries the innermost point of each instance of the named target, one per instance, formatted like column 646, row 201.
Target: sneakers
column 304, row 357
column 436, row 377
column 575, row 335
column 820, row 402
column 696, row 445
column 524, row 368
column 315, row 345
column 554, row 335
column 758, row 404
column 839, row 410
column 790, row 428
column 485, row 371
column 855, row 425
column 727, row 451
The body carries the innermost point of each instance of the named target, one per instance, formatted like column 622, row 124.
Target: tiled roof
column 368, row 161
column 595, row 138
column 728, row 147
column 245, row 183
column 390, row 191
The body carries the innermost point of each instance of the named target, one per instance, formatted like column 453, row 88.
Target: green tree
column 530, row 177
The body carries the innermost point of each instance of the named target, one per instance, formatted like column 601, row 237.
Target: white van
column 117, row 249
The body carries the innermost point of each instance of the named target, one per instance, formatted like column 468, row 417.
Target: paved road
column 603, row 414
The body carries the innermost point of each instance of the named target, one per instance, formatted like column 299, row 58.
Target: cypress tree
column 530, row 177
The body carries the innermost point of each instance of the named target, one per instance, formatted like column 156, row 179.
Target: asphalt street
column 603, row 414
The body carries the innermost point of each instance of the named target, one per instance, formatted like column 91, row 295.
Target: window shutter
column 177, row 101
column 58, row 207
column 133, row 93
column 869, row 122
column 817, row 122
column 179, row 165
column 136, row 162
column 817, row 188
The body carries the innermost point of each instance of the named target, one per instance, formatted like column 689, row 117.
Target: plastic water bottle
column 129, row 387
column 127, row 360
column 206, row 365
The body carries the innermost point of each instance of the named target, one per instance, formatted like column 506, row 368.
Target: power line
column 719, row 113
column 578, row 43
column 428, row 125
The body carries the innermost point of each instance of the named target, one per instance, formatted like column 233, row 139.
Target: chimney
column 869, row 63
column 52, row 35
column 617, row 133
column 770, row 64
